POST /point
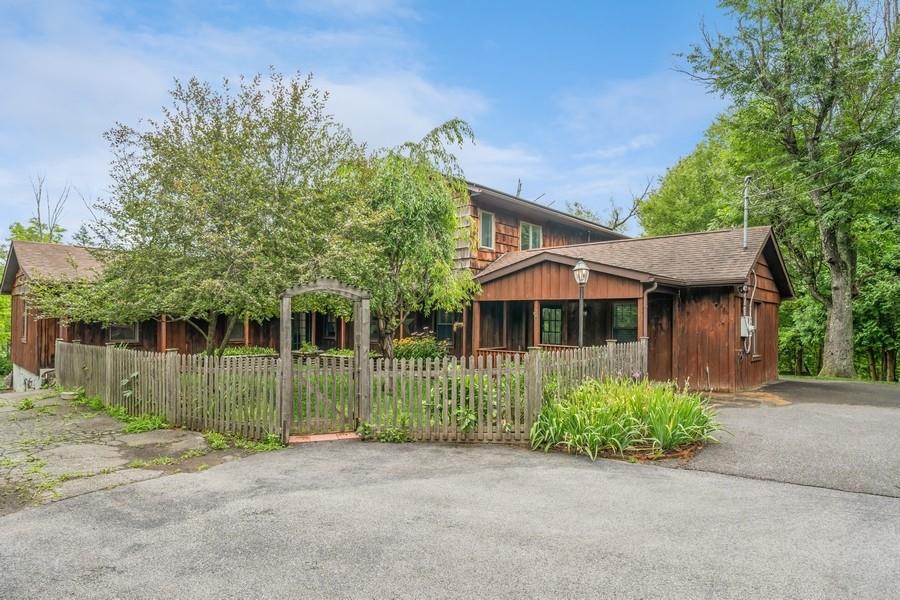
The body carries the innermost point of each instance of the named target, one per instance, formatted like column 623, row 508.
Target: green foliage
column 396, row 435
column 145, row 423
column 700, row 192
column 248, row 351
column 219, row 441
column 421, row 346
column 216, row 440
column 217, row 207
column 814, row 86
column 308, row 348
column 5, row 323
column 620, row 416
column 402, row 206
column 26, row 404
column 339, row 352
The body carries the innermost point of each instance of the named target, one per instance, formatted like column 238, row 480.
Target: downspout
column 647, row 306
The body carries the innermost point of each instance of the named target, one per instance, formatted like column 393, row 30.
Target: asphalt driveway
column 352, row 519
column 838, row 435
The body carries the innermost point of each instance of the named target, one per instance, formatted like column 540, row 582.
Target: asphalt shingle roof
column 708, row 257
column 50, row 261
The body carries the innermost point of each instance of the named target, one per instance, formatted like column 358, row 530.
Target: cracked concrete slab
column 103, row 481
column 81, row 458
column 174, row 440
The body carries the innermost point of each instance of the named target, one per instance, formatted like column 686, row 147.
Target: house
column 686, row 293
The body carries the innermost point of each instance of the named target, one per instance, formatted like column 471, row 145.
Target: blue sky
column 577, row 99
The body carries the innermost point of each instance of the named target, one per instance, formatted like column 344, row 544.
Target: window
column 625, row 321
column 486, row 228
column 329, row 331
column 236, row 335
column 755, row 336
column 530, row 236
column 124, row 333
column 551, row 325
column 298, row 330
column 444, row 324
column 24, row 323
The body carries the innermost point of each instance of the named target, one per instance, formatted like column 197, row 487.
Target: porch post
column 505, row 343
column 536, row 323
column 476, row 327
column 312, row 328
column 465, row 330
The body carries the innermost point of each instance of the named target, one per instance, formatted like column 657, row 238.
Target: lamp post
column 581, row 273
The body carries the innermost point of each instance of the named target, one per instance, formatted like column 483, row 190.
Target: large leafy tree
column 402, row 213
column 816, row 85
column 216, row 207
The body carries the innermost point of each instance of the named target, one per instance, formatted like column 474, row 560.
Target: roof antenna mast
column 519, row 189
column 747, row 180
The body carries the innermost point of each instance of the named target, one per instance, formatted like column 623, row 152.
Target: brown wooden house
column 682, row 292
column 686, row 293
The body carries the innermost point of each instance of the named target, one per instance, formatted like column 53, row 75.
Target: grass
column 220, row 441
column 133, row 424
column 26, row 404
column 621, row 416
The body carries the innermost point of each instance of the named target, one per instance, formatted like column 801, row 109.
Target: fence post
column 172, row 387
column 533, row 386
column 286, row 391
column 610, row 359
column 644, row 357
column 108, row 383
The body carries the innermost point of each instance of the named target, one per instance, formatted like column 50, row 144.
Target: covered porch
column 512, row 326
column 534, row 303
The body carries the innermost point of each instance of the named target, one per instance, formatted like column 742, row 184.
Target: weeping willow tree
column 402, row 215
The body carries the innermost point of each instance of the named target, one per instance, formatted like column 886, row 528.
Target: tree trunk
column 211, row 323
column 230, row 322
column 873, row 373
column 890, row 371
column 883, row 373
column 837, row 355
column 798, row 363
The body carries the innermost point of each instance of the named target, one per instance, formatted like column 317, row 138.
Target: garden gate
column 325, row 394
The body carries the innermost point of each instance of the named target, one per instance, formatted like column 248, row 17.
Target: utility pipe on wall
column 647, row 306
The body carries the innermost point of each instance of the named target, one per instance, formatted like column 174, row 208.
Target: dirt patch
column 746, row 399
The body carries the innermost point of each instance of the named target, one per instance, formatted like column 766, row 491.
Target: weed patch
column 219, row 441
column 26, row 404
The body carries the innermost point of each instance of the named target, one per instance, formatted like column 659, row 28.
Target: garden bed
column 625, row 419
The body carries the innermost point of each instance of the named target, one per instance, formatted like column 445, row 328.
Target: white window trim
column 481, row 214
column 540, row 228
column 133, row 340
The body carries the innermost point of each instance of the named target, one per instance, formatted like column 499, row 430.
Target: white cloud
column 638, row 142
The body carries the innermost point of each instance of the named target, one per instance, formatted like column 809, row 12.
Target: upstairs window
column 625, row 321
column 530, row 236
column 486, row 229
column 124, row 333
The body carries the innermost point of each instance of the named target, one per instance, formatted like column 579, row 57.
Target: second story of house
column 495, row 223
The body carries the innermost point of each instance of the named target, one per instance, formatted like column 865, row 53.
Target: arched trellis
column 361, row 324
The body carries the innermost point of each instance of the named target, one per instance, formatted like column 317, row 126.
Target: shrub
column 338, row 352
column 308, row 348
column 421, row 345
column 622, row 415
column 249, row 351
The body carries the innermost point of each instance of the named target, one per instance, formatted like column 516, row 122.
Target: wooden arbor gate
column 332, row 393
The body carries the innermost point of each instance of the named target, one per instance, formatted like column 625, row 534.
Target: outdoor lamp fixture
column 581, row 273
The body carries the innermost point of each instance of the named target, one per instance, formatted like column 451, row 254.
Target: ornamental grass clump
column 619, row 416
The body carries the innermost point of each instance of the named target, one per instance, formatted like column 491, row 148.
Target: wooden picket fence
column 484, row 399
column 236, row 395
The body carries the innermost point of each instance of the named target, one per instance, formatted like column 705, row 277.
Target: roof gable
column 58, row 262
